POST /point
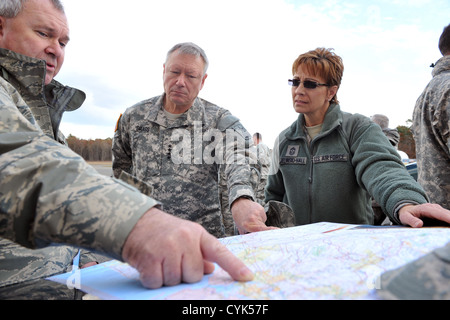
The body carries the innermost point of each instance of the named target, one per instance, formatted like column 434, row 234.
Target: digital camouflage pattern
column 25, row 75
column 279, row 215
column 427, row 278
column 262, row 166
column 431, row 129
column 40, row 289
column 49, row 194
column 255, row 179
column 227, row 217
column 181, row 158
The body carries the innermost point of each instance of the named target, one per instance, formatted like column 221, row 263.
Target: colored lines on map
column 343, row 227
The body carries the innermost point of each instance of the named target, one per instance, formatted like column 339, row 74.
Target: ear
column 203, row 80
column 332, row 91
column 2, row 25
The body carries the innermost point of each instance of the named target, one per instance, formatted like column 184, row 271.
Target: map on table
column 317, row 261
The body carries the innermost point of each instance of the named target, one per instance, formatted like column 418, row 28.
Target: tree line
column 91, row 150
column 407, row 143
column 100, row 149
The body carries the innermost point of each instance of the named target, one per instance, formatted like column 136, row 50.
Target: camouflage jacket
column 181, row 159
column 431, row 129
column 48, row 194
column 263, row 154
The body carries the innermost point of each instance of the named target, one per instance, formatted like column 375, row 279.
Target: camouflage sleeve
column 122, row 158
column 50, row 194
column 274, row 189
column 442, row 120
column 237, row 141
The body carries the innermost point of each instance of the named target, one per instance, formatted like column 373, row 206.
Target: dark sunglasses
column 308, row 84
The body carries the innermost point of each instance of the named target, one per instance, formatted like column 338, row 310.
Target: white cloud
column 119, row 48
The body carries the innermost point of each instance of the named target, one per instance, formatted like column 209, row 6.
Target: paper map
column 317, row 261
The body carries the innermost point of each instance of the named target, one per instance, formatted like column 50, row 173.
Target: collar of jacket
column 47, row 102
column 196, row 113
column 333, row 119
column 442, row 65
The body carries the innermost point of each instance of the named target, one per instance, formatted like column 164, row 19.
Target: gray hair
column 191, row 49
column 381, row 120
column 11, row 8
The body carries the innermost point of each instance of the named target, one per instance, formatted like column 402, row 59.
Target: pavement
column 104, row 168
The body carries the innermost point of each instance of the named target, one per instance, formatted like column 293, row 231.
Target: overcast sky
column 118, row 48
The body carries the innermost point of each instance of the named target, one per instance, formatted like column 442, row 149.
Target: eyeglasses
column 308, row 84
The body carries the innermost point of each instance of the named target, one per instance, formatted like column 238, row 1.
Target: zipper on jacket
column 310, row 178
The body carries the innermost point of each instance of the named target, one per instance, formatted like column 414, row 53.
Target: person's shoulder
column 143, row 105
column 282, row 138
column 355, row 117
column 211, row 107
column 223, row 118
column 355, row 124
column 352, row 120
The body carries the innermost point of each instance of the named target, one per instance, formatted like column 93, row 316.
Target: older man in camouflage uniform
column 20, row 267
column 431, row 128
column 18, row 263
column 428, row 277
column 177, row 142
column 48, row 194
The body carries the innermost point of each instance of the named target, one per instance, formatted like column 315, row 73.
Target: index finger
column 258, row 226
column 214, row 251
column 411, row 215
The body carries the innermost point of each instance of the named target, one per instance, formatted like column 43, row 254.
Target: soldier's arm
column 237, row 169
column 122, row 157
column 248, row 215
column 50, row 193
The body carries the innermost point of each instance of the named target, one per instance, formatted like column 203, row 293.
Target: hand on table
column 412, row 215
column 249, row 216
column 167, row 250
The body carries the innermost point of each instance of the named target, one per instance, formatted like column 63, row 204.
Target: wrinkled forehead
column 188, row 62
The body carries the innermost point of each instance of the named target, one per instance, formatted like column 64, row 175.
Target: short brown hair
column 322, row 63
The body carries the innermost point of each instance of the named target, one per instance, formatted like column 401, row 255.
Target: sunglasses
column 308, row 84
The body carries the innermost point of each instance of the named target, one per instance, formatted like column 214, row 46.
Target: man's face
column 40, row 31
column 183, row 80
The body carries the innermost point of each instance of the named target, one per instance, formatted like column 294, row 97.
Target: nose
column 181, row 80
column 300, row 89
column 55, row 49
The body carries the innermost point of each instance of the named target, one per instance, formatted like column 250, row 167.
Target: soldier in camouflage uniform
column 431, row 129
column 49, row 195
column 263, row 164
column 227, row 217
column 21, row 267
column 177, row 143
column 428, row 277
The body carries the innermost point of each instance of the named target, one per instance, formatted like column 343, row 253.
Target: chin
column 48, row 79
column 298, row 110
